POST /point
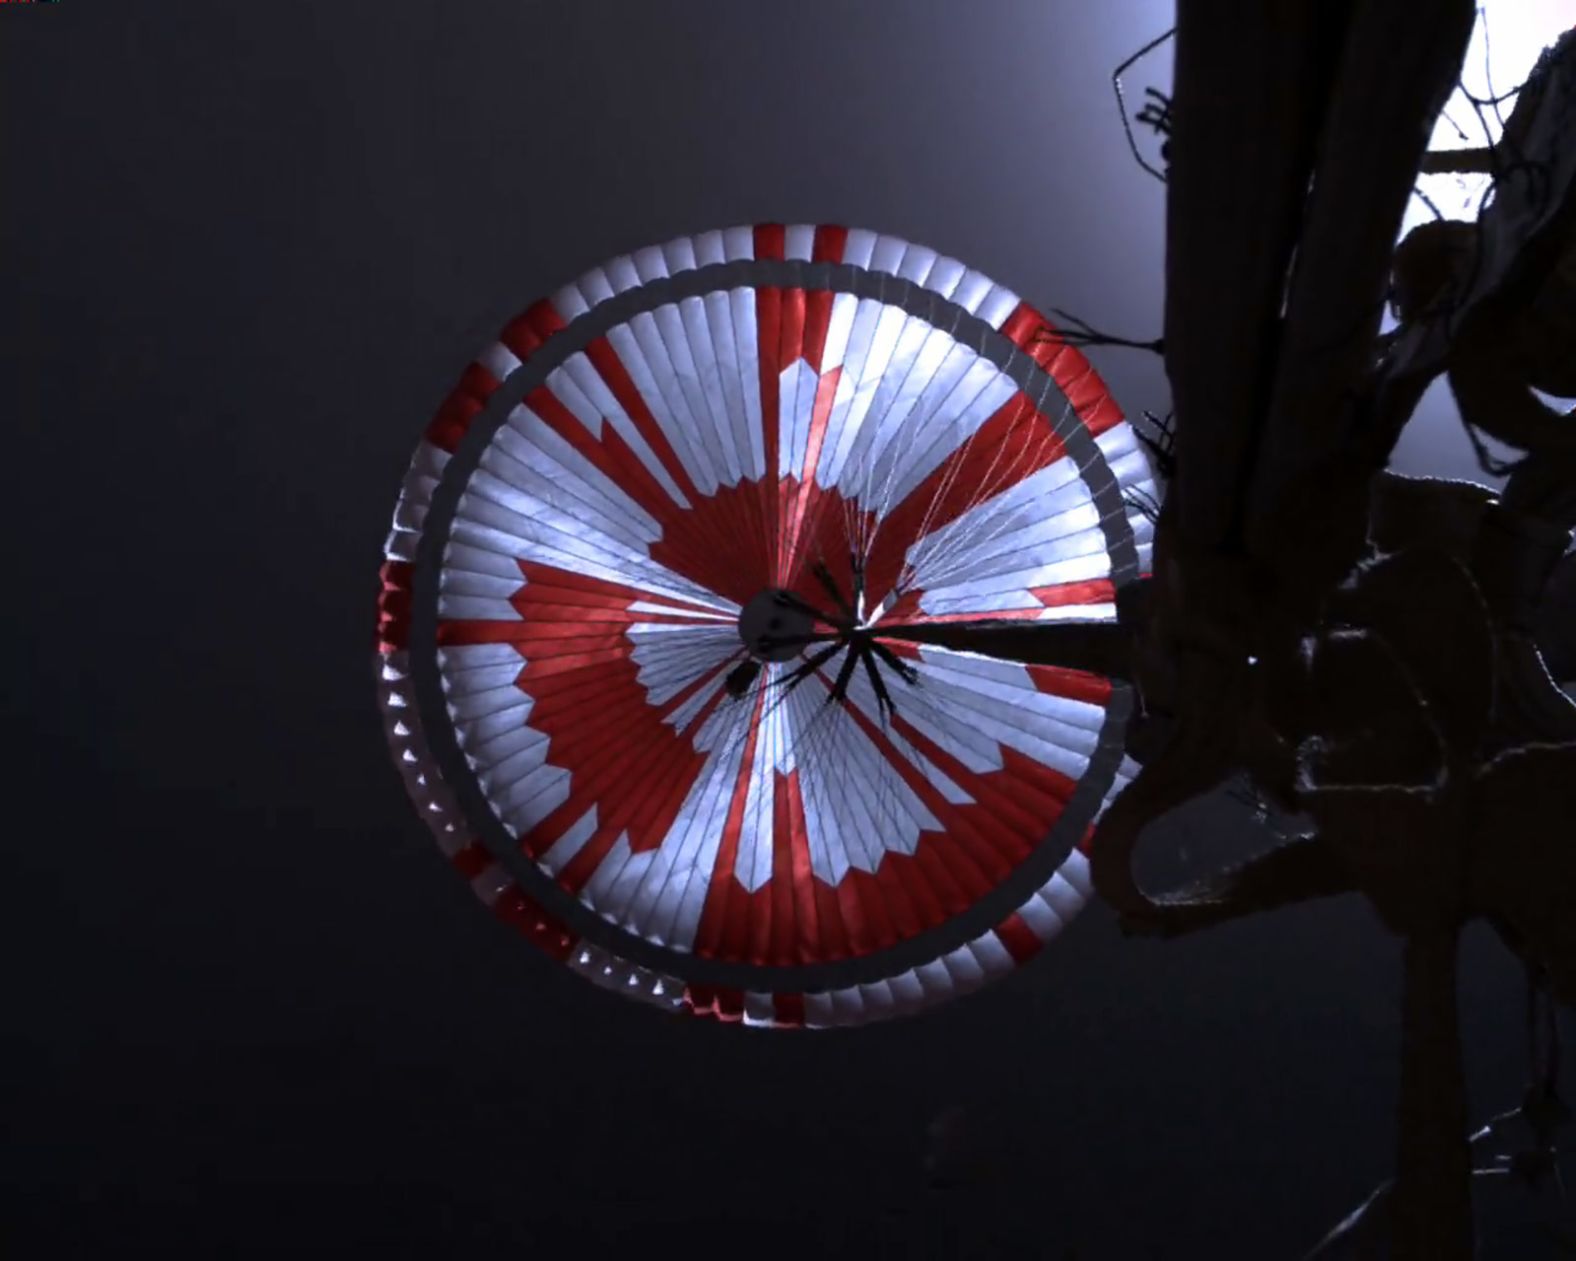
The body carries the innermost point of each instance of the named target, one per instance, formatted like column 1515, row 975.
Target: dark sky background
column 246, row 249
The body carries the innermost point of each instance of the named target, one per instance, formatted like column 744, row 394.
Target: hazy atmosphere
column 247, row 248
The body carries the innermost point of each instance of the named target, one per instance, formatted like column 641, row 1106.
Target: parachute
column 650, row 646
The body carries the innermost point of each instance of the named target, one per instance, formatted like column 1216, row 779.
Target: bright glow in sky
column 1505, row 44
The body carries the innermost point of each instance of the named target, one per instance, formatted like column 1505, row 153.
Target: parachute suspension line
column 1154, row 120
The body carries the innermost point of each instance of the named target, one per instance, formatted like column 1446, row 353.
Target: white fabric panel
column 1077, row 613
column 479, row 676
column 555, row 512
column 818, row 1011
column 410, row 513
column 859, row 247
column 478, row 590
column 796, row 398
column 639, row 345
column 992, row 957
column 470, row 706
column 862, row 695
column 843, row 424
column 455, row 581
column 532, row 799
column 916, row 354
column 699, row 832
column 571, row 302
column 1041, row 918
column 714, row 437
column 461, row 557
column 848, row 1006
column 978, row 390
column 577, row 385
column 671, row 656
column 485, row 727
column 709, row 249
column 499, row 360
column 946, row 274
column 426, row 467
column 887, row 255
column 910, row 420
column 679, row 255
column 838, row 329
column 546, row 463
column 682, row 715
column 863, row 381
column 622, row 274
column 857, row 806
column 650, row 264
column 949, row 553
column 936, row 979
column 996, row 305
column 497, row 769
column 738, row 243
column 799, row 241
column 965, row 969
column 1028, row 729
column 485, row 526
column 746, row 341
column 676, row 610
column 1063, row 897
column 753, row 865
column 917, row 264
column 594, row 288
column 705, row 321
column 877, row 1000
column 972, row 291
column 1076, row 872
column 907, row 991
column 506, row 744
column 401, row 545
column 458, row 658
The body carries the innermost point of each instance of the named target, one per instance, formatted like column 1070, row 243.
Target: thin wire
column 960, row 541
column 857, row 795
column 1082, row 334
column 970, row 531
column 1429, row 202
column 987, row 531
column 985, row 488
column 1121, row 101
column 1488, row 70
column 932, row 552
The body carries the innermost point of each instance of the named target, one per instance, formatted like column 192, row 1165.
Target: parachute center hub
column 773, row 627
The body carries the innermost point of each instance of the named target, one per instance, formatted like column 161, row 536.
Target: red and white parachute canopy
column 867, row 437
